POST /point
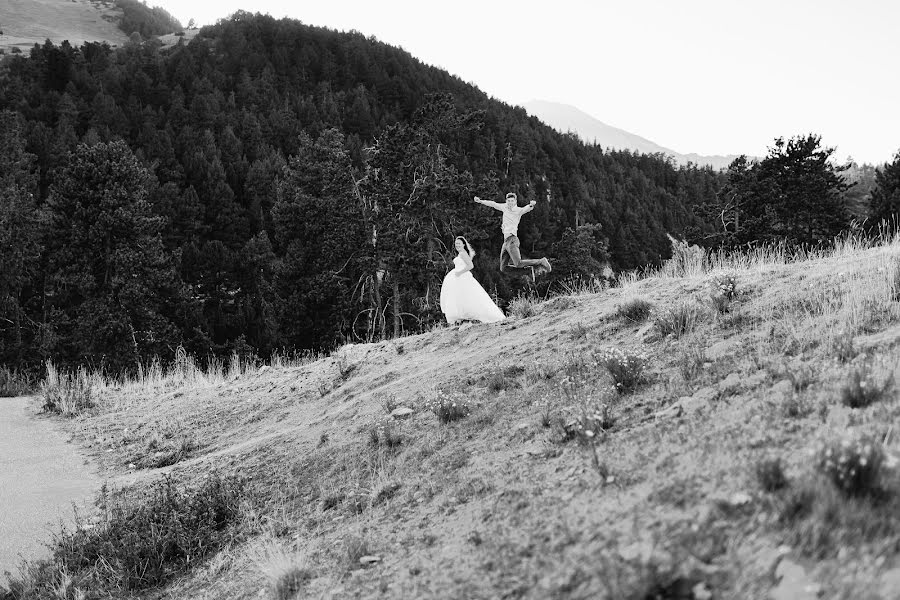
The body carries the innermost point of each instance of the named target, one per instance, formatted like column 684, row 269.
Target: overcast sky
column 712, row 77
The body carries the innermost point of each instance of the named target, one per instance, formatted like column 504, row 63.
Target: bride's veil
column 469, row 248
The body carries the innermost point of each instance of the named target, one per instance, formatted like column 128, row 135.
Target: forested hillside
column 275, row 185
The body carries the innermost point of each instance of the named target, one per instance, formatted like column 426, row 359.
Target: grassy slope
column 29, row 22
column 492, row 506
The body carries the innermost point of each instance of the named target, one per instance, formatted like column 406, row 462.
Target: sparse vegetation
column 14, row 383
column 448, row 407
column 770, row 475
column 523, row 306
column 626, row 367
column 690, row 359
column 854, row 465
column 67, row 394
column 140, row 541
column 864, row 387
column 842, row 346
column 680, row 320
column 723, row 292
column 635, row 310
column 385, row 434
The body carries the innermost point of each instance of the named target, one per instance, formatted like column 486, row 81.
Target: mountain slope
column 565, row 118
column 28, row 22
column 215, row 121
column 506, row 502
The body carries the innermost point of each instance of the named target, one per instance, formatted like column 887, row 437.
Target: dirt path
column 41, row 475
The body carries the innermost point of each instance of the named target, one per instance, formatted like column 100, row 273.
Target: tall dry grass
column 69, row 393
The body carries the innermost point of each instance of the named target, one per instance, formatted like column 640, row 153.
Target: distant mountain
column 566, row 118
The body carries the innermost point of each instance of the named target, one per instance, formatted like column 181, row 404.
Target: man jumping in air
column 512, row 213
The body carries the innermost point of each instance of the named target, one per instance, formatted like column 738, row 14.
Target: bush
column 853, row 465
column 14, row 383
column 722, row 292
column 523, row 306
column 67, row 394
column 864, row 388
column 448, row 408
column 386, row 434
column 635, row 310
column 842, row 346
column 142, row 542
column 770, row 475
column 587, row 426
column 625, row 366
column 679, row 320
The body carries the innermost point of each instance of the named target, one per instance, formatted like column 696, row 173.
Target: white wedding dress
column 463, row 298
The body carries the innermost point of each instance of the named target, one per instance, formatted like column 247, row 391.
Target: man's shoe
column 546, row 264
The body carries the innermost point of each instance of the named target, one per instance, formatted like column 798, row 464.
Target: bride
column 462, row 297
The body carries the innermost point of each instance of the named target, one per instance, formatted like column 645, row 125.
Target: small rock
column 369, row 560
column 470, row 339
column 646, row 333
column 740, row 499
column 262, row 369
column 731, row 384
column 793, row 583
column 402, row 412
column 701, row 592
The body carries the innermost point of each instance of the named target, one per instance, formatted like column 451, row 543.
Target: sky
column 704, row 76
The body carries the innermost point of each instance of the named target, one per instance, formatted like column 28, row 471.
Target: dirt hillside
column 575, row 473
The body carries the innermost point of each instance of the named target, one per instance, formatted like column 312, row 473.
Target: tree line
column 272, row 185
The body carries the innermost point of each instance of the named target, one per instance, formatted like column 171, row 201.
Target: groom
column 512, row 213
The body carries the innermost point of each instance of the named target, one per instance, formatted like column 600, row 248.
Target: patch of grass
column 842, row 346
column 863, row 388
column 14, row 383
column 625, row 366
column 770, row 475
column 853, row 465
column 448, row 408
column 505, row 378
column 679, row 320
column 796, row 406
column 285, row 571
column 540, row 371
column 163, row 451
column 635, row 310
column 523, row 306
column 67, row 394
column 578, row 330
column 356, row 547
column 801, row 375
column 143, row 541
column 385, row 434
column 722, row 293
column 345, row 367
column 389, row 403
column 689, row 360
column 819, row 519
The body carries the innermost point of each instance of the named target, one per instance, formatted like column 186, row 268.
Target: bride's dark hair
column 468, row 246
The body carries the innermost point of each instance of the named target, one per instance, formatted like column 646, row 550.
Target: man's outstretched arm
column 497, row 205
column 530, row 207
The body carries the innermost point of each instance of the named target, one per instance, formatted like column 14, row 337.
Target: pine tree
column 886, row 194
column 110, row 287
